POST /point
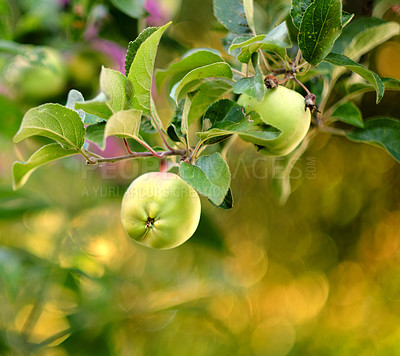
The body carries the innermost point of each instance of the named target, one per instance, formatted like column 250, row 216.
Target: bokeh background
column 317, row 276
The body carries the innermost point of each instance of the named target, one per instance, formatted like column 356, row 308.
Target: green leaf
column 231, row 14
column 125, row 123
column 383, row 132
column 174, row 128
column 53, row 121
column 21, row 171
column 156, row 121
column 227, row 118
column 112, row 84
column 215, row 70
column 206, row 94
column 361, row 36
column 368, row 75
column 259, row 86
column 210, row 176
column 320, row 27
column 228, row 201
column 346, row 18
column 364, row 34
column 97, row 107
column 141, row 71
column 249, row 12
column 349, row 113
column 95, row 134
column 132, row 8
column 192, row 60
column 75, row 96
column 275, row 41
column 185, row 113
column 359, row 88
column 246, row 86
column 298, row 9
column 133, row 47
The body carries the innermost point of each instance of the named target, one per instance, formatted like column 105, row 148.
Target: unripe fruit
column 160, row 210
column 282, row 108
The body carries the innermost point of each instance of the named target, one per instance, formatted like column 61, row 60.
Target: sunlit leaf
column 210, row 176
column 125, row 123
column 112, row 84
column 192, row 60
column 215, row 70
column 22, row 170
column 53, row 121
column 133, row 47
column 141, row 71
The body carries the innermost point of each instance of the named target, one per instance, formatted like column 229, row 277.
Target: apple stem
column 301, row 84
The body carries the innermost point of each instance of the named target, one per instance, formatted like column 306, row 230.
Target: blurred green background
column 318, row 276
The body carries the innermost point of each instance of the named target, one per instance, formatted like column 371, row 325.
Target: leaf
column 125, row 123
column 320, row 27
column 132, row 8
column 249, row 12
column 275, row 41
column 133, row 47
column 174, row 128
column 364, row 34
column 155, row 118
column 298, row 9
column 359, row 88
column 192, row 60
column 53, row 121
column 112, row 84
column 141, row 71
column 259, row 86
column 185, row 114
column 210, row 176
column 206, row 94
column 246, row 86
column 21, row 171
column 231, row 14
column 383, row 132
column 95, row 134
column 349, row 113
column 97, row 107
column 228, row 201
column 346, row 18
column 368, row 75
column 227, row 118
column 215, row 70
column 75, row 96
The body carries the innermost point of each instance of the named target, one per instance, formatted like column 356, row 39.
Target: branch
column 160, row 154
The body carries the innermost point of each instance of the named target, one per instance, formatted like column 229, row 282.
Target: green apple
column 38, row 74
column 284, row 109
column 160, row 210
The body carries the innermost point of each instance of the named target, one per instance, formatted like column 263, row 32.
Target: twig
column 239, row 72
column 127, row 146
column 160, row 154
column 267, row 66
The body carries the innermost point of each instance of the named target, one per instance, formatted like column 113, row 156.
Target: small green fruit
column 282, row 108
column 160, row 210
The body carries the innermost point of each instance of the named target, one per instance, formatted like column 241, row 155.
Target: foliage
column 318, row 49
